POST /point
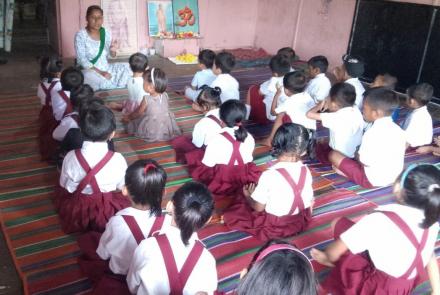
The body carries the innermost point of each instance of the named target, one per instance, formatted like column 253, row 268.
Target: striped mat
column 45, row 257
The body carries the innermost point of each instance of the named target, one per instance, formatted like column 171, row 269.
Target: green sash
column 101, row 45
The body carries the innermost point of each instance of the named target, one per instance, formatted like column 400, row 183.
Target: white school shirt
column 274, row 191
column 268, row 90
column 58, row 104
column 135, row 87
column 389, row 249
column 418, row 127
column 296, row 106
column 219, row 149
column 228, row 85
column 359, row 88
column 346, row 127
column 65, row 125
column 203, row 77
column 109, row 178
column 382, row 151
column 206, row 128
column 42, row 95
column 148, row 275
column 319, row 87
column 117, row 243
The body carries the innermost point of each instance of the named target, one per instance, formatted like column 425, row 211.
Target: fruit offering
column 187, row 58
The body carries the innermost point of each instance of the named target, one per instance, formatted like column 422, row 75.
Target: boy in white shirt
column 344, row 138
column 418, row 124
column 382, row 151
column 224, row 62
column 260, row 98
column 319, row 86
column 290, row 105
column 350, row 71
column 203, row 77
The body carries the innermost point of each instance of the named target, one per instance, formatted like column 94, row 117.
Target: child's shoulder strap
column 215, row 119
column 297, row 188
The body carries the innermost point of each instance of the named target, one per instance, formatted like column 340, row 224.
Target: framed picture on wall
column 120, row 17
column 186, row 16
column 160, row 18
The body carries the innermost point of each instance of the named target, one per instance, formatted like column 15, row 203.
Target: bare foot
column 265, row 142
column 320, row 257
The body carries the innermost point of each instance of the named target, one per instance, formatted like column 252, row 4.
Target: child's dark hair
column 389, row 81
column 279, row 64
column 381, row 99
column 209, row 98
column 422, row 93
column 289, row 53
column 290, row 138
column 138, row 62
column 80, row 94
column 71, row 78
column 89, row 102
column 284, row 271
column 420, row 188
column 145, row 181
column 225, row 61
column 343, row 94
column 158, row 78
column 319, row 62
column 233, row 113
column 97, row 123
column 50, row 66
column 193, row 206
column 91, row 8
column 295, row 82
column 206, row 58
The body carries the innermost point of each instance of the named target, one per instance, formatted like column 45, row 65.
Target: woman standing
column 93, row 45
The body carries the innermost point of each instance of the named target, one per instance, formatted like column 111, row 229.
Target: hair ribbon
column 152, row 77
column 278, row 247
column 148, row 167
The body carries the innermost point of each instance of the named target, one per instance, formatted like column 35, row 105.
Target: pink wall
column 223, row 24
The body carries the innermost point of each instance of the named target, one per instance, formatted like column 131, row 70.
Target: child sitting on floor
column 153, row 121
column 176, row 262
column 71, row 78
column 290, row 54
column 138, row 64
column 191, row 151
column 319, row 85
column 260, row 97
column 50, row 73
column 382, row 151
column 227, row 163
column 144, row 185
column 344, row 138
column 278, row 268
column 291, row 104
column 224, row 62
column 387, row 251
column 350, row 71
column 418, row 124
column 204, row 77
column 92, row 177
column 281, row 204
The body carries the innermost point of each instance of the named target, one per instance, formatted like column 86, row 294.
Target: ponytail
column 193, row 206
column 233, row 113
column 420, row 186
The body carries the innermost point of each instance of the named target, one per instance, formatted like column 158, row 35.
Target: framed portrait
column 120, row 17
column 186, row 16
column 160, row 18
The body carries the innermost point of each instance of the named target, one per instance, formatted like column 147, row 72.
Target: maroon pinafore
column 258, row 108
column 105, row 281
column 356, row 273
column 47, row 124
column 178, row 279
column 186, row 151
column 81, row 212
column 266, row 226
column 228, row 179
